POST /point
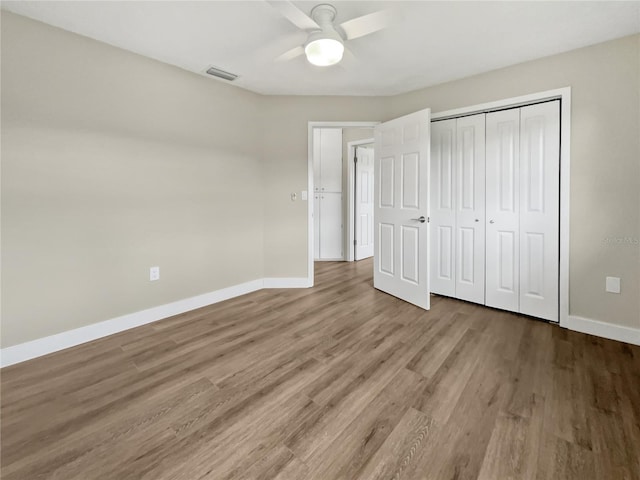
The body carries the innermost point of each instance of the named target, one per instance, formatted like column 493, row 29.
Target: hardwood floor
column 335, row 382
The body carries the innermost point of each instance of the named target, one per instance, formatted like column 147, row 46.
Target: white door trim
column 564, row 94
column 351, row 150
column 310, row 127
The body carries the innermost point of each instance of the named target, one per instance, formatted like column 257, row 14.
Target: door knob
column 491, row 221
column 421, row 219
column 477, row 220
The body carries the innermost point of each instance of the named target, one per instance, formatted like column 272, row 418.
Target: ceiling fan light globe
column 323, row 52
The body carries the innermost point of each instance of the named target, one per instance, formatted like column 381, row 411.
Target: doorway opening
column 353, row 131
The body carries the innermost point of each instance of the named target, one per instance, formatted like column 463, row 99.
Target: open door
column 363, row 204
column 401, row 207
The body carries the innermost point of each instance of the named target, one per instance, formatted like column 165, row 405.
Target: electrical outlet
column 612, row 284
column 154, row 274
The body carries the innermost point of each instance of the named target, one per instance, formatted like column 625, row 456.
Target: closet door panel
column 469, row 201
column 331, row 160
column 503, row 213
column 331, row 226
column 539, row 209
column 443, row 214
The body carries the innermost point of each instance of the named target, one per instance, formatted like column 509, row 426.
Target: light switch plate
column 613, row 285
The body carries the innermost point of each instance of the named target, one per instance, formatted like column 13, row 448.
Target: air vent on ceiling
column 216, row 72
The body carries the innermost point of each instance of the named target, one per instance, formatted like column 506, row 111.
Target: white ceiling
column 430, row 42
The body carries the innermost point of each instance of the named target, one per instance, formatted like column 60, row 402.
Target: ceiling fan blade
column 361, row 26
column 291, row 54
column 294, row 14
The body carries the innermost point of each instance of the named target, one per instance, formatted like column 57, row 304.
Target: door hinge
column 428, row 219
column 355, row 159
column 355, row 242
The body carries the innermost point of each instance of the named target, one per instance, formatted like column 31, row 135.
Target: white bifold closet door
column 540, row 209
column 443, row 214
column 470, row 207
column 503, row 210
column 457, row 207
column 523, row 204
column 495, row 209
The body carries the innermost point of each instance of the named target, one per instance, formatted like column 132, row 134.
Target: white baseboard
column 605, row 330
column 291, row 282
column 71, row 338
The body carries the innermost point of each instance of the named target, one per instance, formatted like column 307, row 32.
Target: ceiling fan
column 325, row 43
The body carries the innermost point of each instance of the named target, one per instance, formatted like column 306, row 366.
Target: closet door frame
column 564, row 95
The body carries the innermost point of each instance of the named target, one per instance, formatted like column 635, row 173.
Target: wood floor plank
column 71, row 456
column 348, row 400
column 399, row 449
column 294, row 470
column 336, row 382
column 561, row 459
column 441, row 342
column 441, row 393
column 513, row 450
column 350, row 452
column 466, row 432
column 530, row 373
column 567, row 399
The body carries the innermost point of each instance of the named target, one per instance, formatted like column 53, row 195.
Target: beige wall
column 113, row 163
column 605, row 161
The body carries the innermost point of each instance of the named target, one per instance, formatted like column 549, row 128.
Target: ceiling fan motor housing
column 324, row 14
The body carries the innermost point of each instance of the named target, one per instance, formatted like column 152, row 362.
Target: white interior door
column 503, row 210
column 443, row 212
column 364, row 203
column 539, row 209
column 401, row 207
column 470, row 207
